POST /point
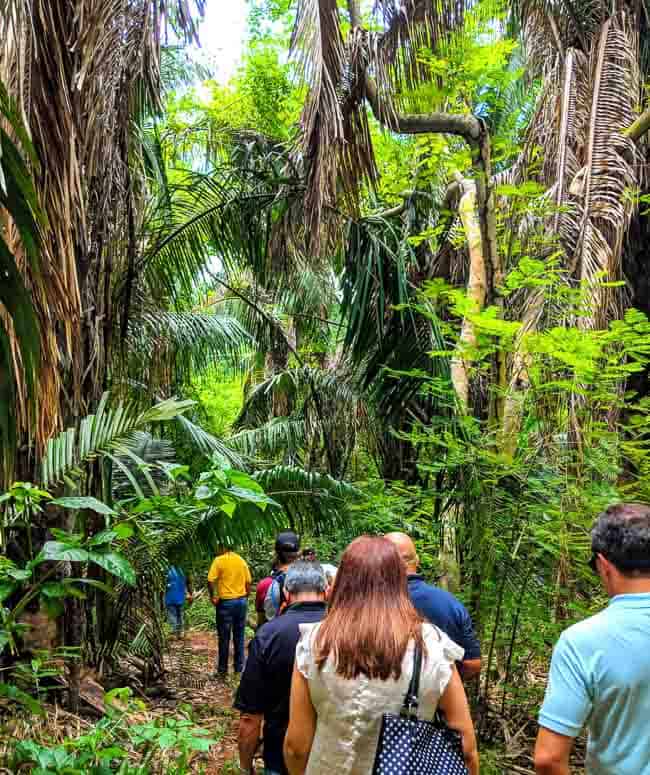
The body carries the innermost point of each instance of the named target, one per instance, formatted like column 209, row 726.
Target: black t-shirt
column 266, row 682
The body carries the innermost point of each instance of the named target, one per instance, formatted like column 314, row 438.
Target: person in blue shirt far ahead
column 600, row 671
column 177, row 592
column 440, row 607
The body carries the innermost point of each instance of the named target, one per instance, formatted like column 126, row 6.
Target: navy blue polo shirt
column 446, row 612
column 266, row 681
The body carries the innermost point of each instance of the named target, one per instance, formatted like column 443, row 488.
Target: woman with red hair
column 356, row 665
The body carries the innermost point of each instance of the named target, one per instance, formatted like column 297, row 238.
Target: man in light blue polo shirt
column 600, row 672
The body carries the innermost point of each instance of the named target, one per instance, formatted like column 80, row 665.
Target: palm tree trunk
column 476, row 293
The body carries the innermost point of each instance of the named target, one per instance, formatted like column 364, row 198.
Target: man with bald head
column 440, row 607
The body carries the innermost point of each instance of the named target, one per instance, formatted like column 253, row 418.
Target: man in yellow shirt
column 229, row 582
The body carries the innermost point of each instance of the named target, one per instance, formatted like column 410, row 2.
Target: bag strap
column 411, row 699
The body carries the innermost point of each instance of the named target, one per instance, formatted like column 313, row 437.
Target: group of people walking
column 335, row 655
column 338, row 653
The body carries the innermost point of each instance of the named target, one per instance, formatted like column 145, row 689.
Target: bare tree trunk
column 476, row 292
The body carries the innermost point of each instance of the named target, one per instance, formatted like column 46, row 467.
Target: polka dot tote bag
column 410, row 746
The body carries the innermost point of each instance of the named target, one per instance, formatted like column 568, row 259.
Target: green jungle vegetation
column 392, row 275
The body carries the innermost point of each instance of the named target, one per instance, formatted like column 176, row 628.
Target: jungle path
column 189, row 664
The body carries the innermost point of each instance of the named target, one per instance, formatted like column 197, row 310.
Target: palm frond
column 318, row 46
column 225, row 216
column 409, row 27
column 610, row 170
column 281, row 436
column 333, row 386
column 108, row 430
column 255, row 312
column 146, row 453
column 178, row 68
column 376, row 278
column 20, row 243
column 210, row 445
column 183, row 343
column 318, row 500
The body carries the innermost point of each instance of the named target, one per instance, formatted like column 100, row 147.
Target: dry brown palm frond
column 572, row 108
column 356, row 156
column 611, row 169
column 318, row 44
column 82, row 72
column 410, row 27
column 551, row 27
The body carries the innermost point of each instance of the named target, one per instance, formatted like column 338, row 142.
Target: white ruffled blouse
column 350, row 711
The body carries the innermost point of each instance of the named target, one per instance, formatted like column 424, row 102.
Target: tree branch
column 473, row 131
column 642, row 124
column 463, row 125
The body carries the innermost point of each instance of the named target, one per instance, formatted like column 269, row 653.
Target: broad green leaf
column 102, row 538
column 124, row 530
column 240, row 479
column 252, row 497
column 72, row 539
column 167, row 739
column 60, row 589
column 61, row 552
column 201, row 743
column 203, row 492
column 228, row 506
column 54, row 589
column 113, row 752
column 12, row 692
column 115, row 564
column 6, row 589
column 84, row 502
column 19, row 574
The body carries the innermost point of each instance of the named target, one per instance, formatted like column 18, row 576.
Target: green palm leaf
column 279, row 436
column 144, row 463
column 210, row 445
column 107, row 431
column 19, row 199
column 317, row 499
column 188, row 341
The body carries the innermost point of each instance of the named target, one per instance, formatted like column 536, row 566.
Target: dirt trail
column 189, row 665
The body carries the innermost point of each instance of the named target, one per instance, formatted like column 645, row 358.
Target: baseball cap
column 287, row 541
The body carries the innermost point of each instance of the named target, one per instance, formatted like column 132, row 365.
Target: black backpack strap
column 411, row 699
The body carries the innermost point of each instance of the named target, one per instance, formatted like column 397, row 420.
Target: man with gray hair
column 265, row 686
column 600, row 672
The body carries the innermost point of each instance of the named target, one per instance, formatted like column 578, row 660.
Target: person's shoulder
column 271, row 631
column 438, row 595
column 430, row 633
column 234, row 557
column 283, row 629
column 440, row 645
column 308, row 630
column 589, row 632
column 267, row 630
